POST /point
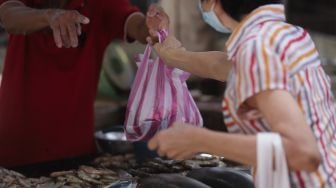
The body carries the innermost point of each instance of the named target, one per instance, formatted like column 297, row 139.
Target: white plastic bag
column 159, row 98
column 272, row 169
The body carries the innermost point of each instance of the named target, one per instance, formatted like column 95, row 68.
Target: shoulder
column 3, row 2
column 278, row 36
column 275, row 38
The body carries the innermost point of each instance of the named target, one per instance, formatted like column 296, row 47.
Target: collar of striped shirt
column 274, row 12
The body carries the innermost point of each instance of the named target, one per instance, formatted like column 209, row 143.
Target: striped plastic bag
column 159, row 97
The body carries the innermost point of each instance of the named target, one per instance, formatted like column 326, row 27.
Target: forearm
column 17, row 18
column 239, row 148
column 212, row 64
column 242, row 149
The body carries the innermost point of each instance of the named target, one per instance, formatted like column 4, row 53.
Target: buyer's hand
column 179, row 142
column 66, row 26
column 169, row 49
column 156, row 20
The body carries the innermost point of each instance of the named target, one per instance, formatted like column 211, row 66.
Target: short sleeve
column 2, row 2
column 115, row 16
column 258, row 68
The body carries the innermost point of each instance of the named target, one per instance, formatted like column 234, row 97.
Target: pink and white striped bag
column 159, row 97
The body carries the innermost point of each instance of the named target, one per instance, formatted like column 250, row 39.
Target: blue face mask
column 212, row 19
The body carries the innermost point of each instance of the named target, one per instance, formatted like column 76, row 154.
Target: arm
column 288, row 120
column 213, row 64
column 299, row 143
column 209, row 64
column 20, row 19
column 17, row 18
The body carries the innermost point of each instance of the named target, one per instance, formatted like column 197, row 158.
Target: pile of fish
column 85, row 176
column 95, row 176
column 157, row 165
column 115, row 161
column 105, row 170
column 12, row 179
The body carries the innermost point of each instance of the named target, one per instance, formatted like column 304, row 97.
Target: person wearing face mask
column 211, row 18
column 275, row 83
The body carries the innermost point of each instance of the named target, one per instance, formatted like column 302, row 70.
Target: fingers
column 184, row 156
column 157, row 47
column 66, row 26
column 82, row 19
column 156, row 11
column 171, row 43
column 174, row 155
column 150, row 41
column 72, row 30
column 65, row 37
column 153, row 144
column 153, row 32
column 57, row 36
column 156, row 20
column 152, row 10
column 161, row 153
column 79, row 29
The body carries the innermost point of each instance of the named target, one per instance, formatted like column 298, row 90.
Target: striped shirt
column 270, row 54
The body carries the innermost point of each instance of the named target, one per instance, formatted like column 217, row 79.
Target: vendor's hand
column 156, row 20
column 179, row 142
column 66, row 26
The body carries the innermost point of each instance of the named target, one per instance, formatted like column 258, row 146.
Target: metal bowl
column 113, row 140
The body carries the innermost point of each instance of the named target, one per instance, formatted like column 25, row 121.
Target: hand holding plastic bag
column 159, row 97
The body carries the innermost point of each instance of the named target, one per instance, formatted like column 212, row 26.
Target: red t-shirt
column 47, row 94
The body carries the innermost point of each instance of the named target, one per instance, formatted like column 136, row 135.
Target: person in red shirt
column 51, row 72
